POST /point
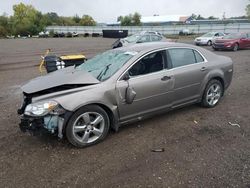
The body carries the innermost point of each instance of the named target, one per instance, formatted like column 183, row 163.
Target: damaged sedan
column 121, row 86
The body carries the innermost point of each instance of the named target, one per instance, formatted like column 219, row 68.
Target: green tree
column 87, row 21
column 119, row 19
column 4, row 25
column 248, row 10
column 136, row 19
column 130, row 20
column 26, row 20
column 126, row 20
column 76, row 19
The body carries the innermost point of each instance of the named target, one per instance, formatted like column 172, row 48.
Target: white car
column 142, row 37
column 208, row 38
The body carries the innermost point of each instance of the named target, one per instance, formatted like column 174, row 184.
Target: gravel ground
column 201, row 148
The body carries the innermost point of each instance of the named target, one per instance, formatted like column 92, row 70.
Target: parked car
column 142, row 37
column 208, row 38
column 233, row 41
column 75, row 34
column 60, row 34
column 44, row 34
column 185, row 32
column 121, row 86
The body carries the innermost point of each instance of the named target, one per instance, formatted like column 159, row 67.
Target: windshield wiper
column 103, row 72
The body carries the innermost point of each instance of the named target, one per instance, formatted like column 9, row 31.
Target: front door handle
column 165, row 78
column 203, row 68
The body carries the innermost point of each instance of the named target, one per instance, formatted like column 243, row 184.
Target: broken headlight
column 43, row 108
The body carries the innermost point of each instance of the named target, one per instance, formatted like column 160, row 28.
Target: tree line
column 26, row 20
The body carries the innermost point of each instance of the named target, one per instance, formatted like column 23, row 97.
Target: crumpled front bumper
column 31, row 125
column 36, row 126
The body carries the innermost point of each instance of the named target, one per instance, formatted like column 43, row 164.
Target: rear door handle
column 165, row 78
column 203, row 68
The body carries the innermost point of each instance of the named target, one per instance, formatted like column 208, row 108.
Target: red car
column 233, row 41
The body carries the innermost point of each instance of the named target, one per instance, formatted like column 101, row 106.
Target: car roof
column 142, row 47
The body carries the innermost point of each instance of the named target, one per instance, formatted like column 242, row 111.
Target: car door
column 149, row 80
column 189, row 68
column 248, row 40
column 244, row 41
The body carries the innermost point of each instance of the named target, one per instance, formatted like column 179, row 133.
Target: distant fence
column 167, row 29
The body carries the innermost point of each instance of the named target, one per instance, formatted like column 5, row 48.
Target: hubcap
column 235, row 47
column 88, row 127
column 213, row 94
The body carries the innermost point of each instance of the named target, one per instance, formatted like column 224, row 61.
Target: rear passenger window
column 198, row 57
column 145, row 38
column 181, row 57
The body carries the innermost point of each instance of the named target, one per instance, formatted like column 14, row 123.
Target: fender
column 112, row 112
column 217, row 73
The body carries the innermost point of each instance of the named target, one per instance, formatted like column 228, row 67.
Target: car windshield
column 233, row 36
column 132, row 38
column 208, row 35
column 105, row 65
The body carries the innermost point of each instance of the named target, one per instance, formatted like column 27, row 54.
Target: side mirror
column 126, row 77
column 130, row 95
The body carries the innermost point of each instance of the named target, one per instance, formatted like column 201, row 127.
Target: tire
column 212, row 94
column 209, row 43
column 236, row 47
column 88, row 126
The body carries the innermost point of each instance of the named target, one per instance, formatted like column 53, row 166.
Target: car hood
column 65, row 77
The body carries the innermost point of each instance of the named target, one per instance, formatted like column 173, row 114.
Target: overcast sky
column 109, row 10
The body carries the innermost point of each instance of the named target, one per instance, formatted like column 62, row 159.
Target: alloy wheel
column 214, row 94
column 88, row 127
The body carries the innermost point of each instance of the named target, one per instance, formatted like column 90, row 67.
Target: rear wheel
column 87, row 126
column 212, row 94
column 209, row 43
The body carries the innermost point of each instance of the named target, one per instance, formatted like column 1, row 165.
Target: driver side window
column 151, row 63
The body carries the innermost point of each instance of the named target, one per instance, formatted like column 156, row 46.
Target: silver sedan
column 122, row 86
column 142, row 37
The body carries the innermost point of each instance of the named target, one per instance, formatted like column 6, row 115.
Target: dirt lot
column 201, row 148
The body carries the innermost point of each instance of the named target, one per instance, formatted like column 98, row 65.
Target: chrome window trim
column 157, row 50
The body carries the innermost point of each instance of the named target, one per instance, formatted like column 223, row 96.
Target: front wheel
column 236, row 47
column 88, row 126
column 209, row 43
column 212, row 94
